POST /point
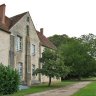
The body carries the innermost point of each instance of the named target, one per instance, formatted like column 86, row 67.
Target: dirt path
column 66, row 91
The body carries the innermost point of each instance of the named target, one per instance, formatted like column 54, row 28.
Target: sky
column 71, row 17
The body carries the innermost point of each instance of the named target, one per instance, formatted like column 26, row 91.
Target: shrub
column 9, row 80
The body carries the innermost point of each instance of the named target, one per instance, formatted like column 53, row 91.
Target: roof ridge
column 18, row 14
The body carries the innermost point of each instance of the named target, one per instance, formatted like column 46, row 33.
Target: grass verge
column 41, row 88
column 89, row 90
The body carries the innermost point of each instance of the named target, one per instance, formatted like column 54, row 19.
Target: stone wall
column 20, row 29
column 4, row 47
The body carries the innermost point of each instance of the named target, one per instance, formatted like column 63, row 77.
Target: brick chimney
column 41, row 31
column 2, row 13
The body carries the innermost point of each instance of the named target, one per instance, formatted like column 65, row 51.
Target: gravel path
column 66, row 91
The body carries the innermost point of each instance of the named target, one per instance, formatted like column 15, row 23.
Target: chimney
column 41, row 31
column 2, row 13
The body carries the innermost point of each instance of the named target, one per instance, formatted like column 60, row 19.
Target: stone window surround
column 20, row 69
column 21, row 43
column 33, row 49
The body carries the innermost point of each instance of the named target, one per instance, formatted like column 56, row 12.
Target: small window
column 33, row 49
column 27, row 29
column 20, row 69
column 27, row 19
column 19, row 43
column 33, row 69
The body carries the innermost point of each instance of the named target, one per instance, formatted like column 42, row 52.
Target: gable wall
column 20, row 29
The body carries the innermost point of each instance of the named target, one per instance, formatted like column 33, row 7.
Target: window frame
column 33, row 49
column 27, row 30
column 20, row 69
column 33, row 69
column 18, row 43
column 28, row 19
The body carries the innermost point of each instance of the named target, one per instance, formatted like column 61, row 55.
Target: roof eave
column 49, row 47
column 5, row 31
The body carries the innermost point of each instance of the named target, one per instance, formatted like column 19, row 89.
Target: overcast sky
column 71, row 17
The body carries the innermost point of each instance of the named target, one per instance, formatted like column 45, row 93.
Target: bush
column 9, row 80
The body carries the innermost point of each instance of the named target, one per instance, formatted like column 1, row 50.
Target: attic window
column 27, row 29
column 27, row 19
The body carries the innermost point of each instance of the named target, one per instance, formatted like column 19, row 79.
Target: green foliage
column 90, row 41
column 58, row 40
column 77, row 53
column 52, row 65
column 76, row 56
column 9, row 80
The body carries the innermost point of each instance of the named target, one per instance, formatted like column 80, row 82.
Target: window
column 33, row 69
column 20, row 70
column 27, row 29
column 27, row 19
column 18, row 43
column 33, row 49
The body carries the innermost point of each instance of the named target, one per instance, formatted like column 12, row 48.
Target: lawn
column 89, row 90
column 42, row 87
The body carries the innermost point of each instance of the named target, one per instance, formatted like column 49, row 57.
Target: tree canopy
column 90, row 41
column 78, row 53
column 52, row 65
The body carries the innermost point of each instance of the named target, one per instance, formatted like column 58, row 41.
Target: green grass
column 89, row 90
column 42, row 87
column 89, row 79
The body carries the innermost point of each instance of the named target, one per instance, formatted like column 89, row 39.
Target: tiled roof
column 16, row 18
column 45, row 41
column 4, row 28
column 10, row 22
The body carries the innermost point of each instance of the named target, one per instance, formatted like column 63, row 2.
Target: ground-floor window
column 20, row 69
column 33, row 69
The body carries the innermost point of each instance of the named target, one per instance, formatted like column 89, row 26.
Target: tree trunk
column 79, row 78
column 49, row 81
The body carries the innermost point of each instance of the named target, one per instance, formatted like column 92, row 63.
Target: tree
column 76, row 56
column 90, row 41
column 52, row 65
column 77, row 53
column 58, row 40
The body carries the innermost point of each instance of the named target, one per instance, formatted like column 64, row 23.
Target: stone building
column 44, row 43
column 4, row 39
column 21, row 45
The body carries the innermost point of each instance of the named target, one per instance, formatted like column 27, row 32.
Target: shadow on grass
column 83, row 79
column 42, row 87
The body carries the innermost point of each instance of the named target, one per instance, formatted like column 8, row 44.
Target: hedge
column 9, row 80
